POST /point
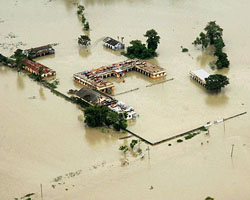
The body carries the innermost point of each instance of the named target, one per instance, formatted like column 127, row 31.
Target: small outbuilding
column 39, row 51
column 199, row 76
column 113, row 44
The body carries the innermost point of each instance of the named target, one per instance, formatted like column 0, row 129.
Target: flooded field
column 43, row 137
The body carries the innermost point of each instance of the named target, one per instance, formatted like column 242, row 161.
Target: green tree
column 80, row 9
column 222, row 60
column 3, row 58
column 138, row 50
column 111, row 118
column 216, row 82
column 96, row 116
column 153, row 39
column 219, row 45
column 18, row 55
column 133, row 143
column 213, row 31
column 83, row 18
column 202, row 40
column 40, row 73
column 213, row 36
column 86, row 26
column 209, row 198
column 84, row 40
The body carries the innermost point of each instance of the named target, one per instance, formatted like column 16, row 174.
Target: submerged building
column 200, row 76
column 113, row 44
column 95, row 97
column 95, row 78
column 33, row 67
column 39, row 51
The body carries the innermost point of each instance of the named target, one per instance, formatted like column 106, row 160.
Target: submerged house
column 95, row 78
column 200, row 76
column 113, row 44
column 33, row 67
column 39, row 51
column 121, row 107
column 94, row 97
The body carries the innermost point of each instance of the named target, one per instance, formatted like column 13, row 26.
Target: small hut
column 113, row 44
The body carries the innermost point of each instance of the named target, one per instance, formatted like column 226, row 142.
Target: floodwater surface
column 43, row 137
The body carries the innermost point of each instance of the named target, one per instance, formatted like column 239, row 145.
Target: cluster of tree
column 3, row 58
column 96, row 116
column 143, row 51
column 7, row 61
column 209, row 198
column 216, row 82
column 19, row 56
column 80, row 9
column 132, row 144
column 84, row 40
column 213, row 36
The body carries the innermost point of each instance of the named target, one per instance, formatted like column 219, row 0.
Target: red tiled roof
column 35, row 66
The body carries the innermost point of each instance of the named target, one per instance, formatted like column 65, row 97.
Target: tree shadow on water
column 20, row 82
column 206, row 57
column 216, row 98
column 84, row 52
column 100, row 135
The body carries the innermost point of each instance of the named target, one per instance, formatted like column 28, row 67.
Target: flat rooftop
column 201, row 74
column 95, row 76
column 93, row 79
column 148, row 67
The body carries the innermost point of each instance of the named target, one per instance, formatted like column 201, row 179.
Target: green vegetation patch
column 216, row 81
column 191, row 135
column 97, row 116
column 203, row 128
column 179, row 140
column 213, row 36
column 144, row 51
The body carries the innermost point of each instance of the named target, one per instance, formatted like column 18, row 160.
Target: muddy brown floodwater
column 43, row 139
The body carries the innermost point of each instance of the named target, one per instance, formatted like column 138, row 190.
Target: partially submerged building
column 95, row 78
column 113, row 44
column 33, row 67
column 121, row 107
column 95, row 97
column 84, row 40
column 90, row 80
column 39, row 51
column 200, row 76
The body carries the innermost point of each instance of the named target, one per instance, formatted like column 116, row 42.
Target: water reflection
column 84, row 52
column 41, row 93
column 3, row 69
column 97, row 41
column 109, row 2
column 70, row 4
column 20, row 82
column 223, row 71
column 206, row 57
column 95, row 136
column 117, row 53
column 216, row 99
